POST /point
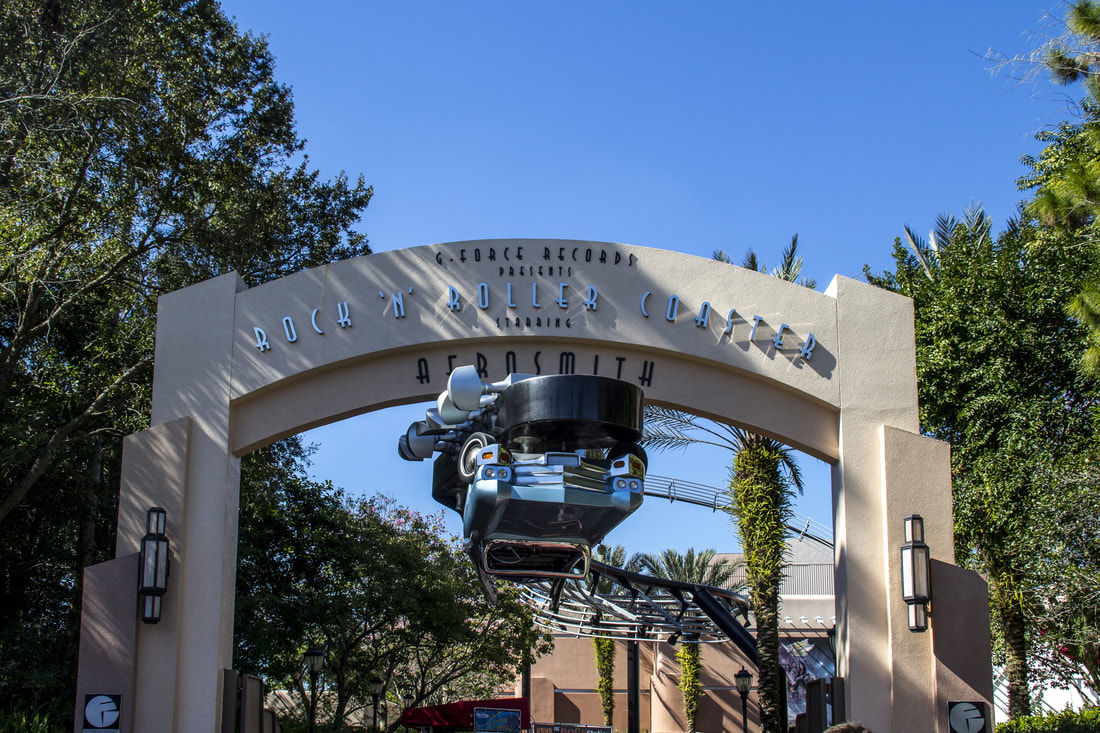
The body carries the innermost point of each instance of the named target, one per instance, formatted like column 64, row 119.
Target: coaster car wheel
column 467, row 457
column 447, row 487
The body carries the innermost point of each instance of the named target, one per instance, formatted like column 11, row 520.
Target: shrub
column 1067, row 721
column 21, row 722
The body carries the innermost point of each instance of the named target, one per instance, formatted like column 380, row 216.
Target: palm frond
column 752, row 262
column 1085, row 307
column 690, row 567
column 790, row 266
column 977, row 221
column 921, row 250
column 943, row 231
column 789, row 263
column 666, row 429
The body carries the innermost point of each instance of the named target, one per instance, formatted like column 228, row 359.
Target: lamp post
column 915, row 587
column 408, row 701
column 743, row 680
column 376, row 685
column 315, row 660
column 153, row 564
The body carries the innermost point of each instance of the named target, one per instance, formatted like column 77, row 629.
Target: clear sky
column 689, row 126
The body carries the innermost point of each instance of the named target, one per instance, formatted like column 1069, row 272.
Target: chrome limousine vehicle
column 541, row 468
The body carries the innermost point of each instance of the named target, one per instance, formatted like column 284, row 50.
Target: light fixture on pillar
column 153, row 564
column 915, row 586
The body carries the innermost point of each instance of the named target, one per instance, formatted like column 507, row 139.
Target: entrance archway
column 832, row 374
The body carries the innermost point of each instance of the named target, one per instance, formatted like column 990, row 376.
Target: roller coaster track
column 617, row 604
column 674, row 489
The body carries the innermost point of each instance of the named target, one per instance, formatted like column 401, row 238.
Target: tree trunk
column 1014, row 633
column 760, row 502
column 772, row 686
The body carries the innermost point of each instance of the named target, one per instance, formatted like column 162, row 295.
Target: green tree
column 763, row 476
column 702, row 569
column 1065, row 176
column 372, row 584
column 605, row 647
column 998, row 378
column 143, row 147
column 1068, row 580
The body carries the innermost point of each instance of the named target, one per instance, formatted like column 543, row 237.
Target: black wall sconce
column 915, row 586
column 153, row 564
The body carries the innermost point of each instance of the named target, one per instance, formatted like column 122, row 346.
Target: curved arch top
column 765, row 349
column 388, row 327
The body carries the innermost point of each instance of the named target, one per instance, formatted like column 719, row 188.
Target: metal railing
column 675, row 489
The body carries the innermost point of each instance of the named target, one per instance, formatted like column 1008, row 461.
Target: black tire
column 570, row 412
column 467, row 457
column 447, row 488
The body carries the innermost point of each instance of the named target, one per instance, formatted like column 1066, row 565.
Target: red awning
column 461, row 714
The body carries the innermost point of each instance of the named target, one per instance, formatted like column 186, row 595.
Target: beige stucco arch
column 830, row 373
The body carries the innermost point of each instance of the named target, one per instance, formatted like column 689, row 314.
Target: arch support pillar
column 183, row 464
column 886, row 471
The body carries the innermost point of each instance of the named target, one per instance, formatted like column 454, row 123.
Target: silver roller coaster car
column 540, row 467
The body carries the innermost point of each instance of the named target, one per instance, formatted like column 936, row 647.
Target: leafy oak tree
column 374, row 585
column 998, row 378
column 1068, row 581
column 143, row 147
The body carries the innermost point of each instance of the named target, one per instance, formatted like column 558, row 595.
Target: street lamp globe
column 315, row 659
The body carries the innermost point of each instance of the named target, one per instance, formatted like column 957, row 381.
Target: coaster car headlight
column 494, row 454
column 627, row 464
column 501, row 473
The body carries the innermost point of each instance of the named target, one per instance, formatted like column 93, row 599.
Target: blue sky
column 688, row 126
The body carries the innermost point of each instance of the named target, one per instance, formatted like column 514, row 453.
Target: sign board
column 102, row 713
column 569, row 728
column 968, row 717
column 496, row 720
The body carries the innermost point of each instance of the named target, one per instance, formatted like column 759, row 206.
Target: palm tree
column 789, row 269
column 605, row 648
column 762, row 479
column 701, row 569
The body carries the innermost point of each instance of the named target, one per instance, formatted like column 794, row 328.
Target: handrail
column 691, row 492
